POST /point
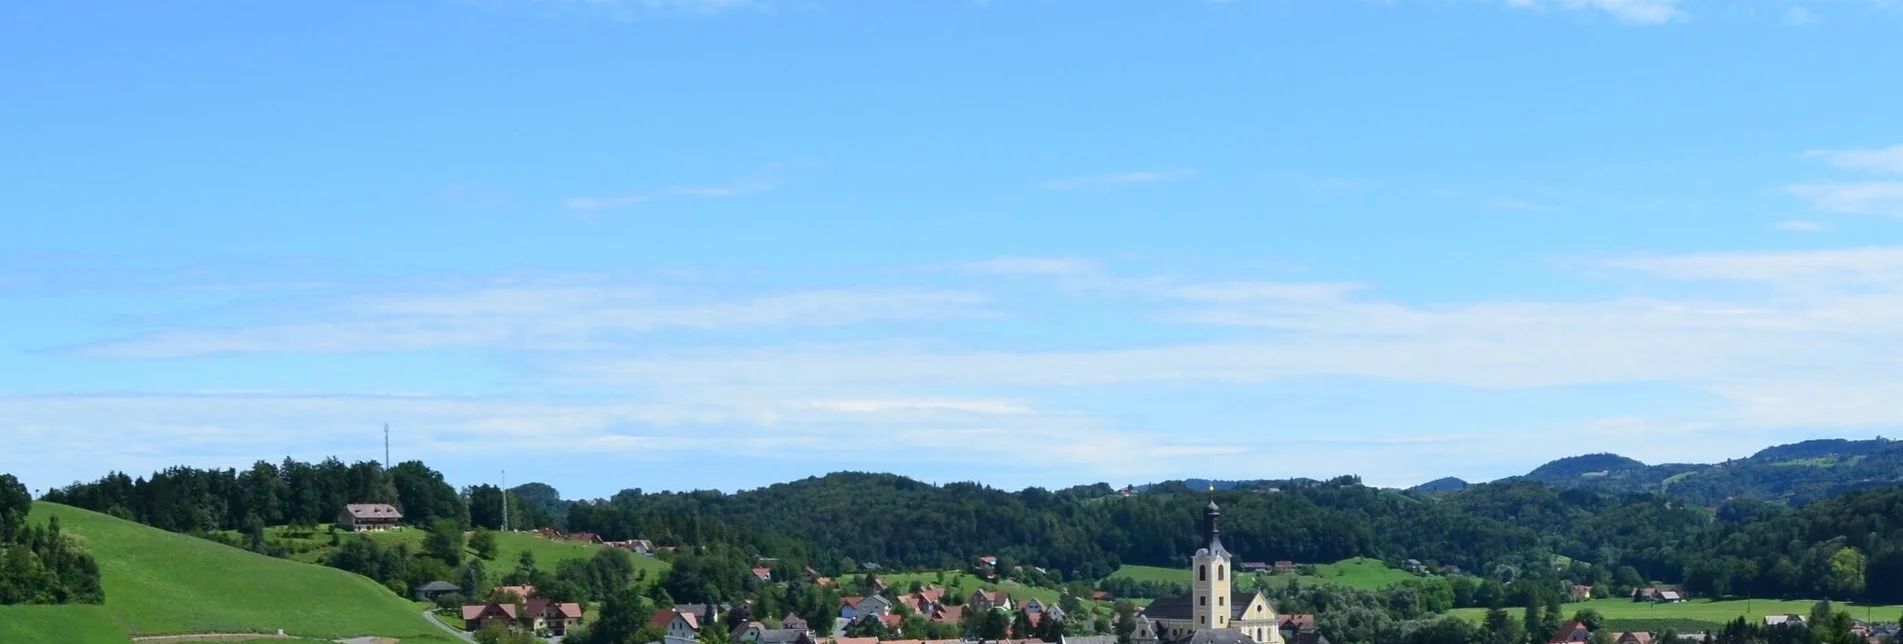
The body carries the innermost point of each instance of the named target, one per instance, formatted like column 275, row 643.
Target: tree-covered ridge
column 1796, row 474
column 41, row 564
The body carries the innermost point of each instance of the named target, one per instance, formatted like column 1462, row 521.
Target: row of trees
column 41, row 564
column 295, row 493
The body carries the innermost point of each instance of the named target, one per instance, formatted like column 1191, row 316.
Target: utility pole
column 505, row 500
column 386, row 447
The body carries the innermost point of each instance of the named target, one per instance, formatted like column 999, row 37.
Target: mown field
column 1697, row 614
column 160, row 583
column 1366, row 574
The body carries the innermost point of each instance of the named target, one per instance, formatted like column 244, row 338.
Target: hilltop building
column 1214, row 612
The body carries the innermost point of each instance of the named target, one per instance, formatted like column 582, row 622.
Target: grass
column 509, row 548
column 1697, row 614
column 1361, row 573
column 160, row 583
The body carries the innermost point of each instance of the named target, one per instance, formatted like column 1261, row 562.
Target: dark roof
column 439, row 587
column 1183, row 607
column 1215, row 636
column 1307, row 637
column 780, row 635
column 373, row 511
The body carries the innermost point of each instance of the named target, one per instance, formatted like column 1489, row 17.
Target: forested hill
column 1796, row 474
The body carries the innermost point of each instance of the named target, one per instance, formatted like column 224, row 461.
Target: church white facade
column 1212, row 606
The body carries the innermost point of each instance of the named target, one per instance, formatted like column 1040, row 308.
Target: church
column 1212, row 613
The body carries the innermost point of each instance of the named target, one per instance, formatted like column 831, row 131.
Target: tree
column 475, row 580
column 1534, row 620
column 1600, row 637
column 496, row 633
column 1126, row 621
column 1591, row 618
column 15, row 504
column 622, row 618
column 1500, row 629
column 1845, row 580
column 445, row 542
column 483, row 541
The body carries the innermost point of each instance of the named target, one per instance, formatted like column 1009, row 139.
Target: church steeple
column 1212, row 528
column 1211, row 584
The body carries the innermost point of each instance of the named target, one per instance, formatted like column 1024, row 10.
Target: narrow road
column 431, row 616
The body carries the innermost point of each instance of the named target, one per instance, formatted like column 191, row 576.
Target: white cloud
column 552, row 314
column 1886, row 160
column 1648, row 12
column 733, row 189
column 1117, row 179
column 1854, row 197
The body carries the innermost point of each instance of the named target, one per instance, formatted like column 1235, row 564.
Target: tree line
column 41, row 564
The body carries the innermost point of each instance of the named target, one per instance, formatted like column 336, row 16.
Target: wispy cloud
column 1646, row 12
column 1863, row 197
column 731, row 189
column 1854, row 197
column 1886, row 160
column 541, row 314
column 1117, row 179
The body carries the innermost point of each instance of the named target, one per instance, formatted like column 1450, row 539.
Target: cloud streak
column 593, row 205
column 1117, row 179
column 1644, row 12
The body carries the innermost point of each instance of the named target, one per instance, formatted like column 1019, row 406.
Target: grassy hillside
column 1698, row 614
column 159, row 583
column 1362, row 573
column 509, row 547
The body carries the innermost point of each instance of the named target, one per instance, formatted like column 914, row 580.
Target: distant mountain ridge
column 1796, row 473
column 1443, row 484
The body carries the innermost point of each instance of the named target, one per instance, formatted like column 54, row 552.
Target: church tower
column 1212, row 574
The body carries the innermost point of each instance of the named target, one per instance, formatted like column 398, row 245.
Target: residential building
column 1573, row 631
column 676, row 623
column 983, row 600
column 434, row 589
column 1632, row 638
column 764, row 574
column 368, row 517
column 538, row 615
column 1285, row 567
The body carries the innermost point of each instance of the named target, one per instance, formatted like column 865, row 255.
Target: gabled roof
column 475, row 611
column 851, row 600
column 524, row 591
column 948, row 614
column 1297, row 622
column 542, row 606
column 1182, row 607
column 439, row 587
column 373, row 511
column 666, row 616
column 1566, row 632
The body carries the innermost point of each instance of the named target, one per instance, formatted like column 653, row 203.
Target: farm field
column 1697, row 614
column 160, row 583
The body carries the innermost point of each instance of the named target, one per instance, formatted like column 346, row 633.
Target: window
column 1199, row 620
column 1219, row 572
column 1202, row 601
column 1219, row 601
column 1202, row 573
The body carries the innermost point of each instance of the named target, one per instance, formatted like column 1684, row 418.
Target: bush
column 451, row 601
column 397, row 586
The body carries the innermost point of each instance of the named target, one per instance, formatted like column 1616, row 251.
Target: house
column 988, row 599
column 947, row 614
column 676, row 623
column 548, row 533
column 1285, row 567
column 1665, row 594
column 874, row 605
column 1032, row 607
column 930, row 595
column 1103, row 596
column 849, row 607
column 701, row 611
column 538, row 615
column 779, row 636
column 368, row 517
column 892, row 622
column 1255, row 566
column 1573, row 631
column 1670, row 597
column 765, row 574
column 878, row 585
column 1127, row 491
column 1784, row 620
column 479, row 616
column 793, row 621
column 434, row 589
column 987, row 561
column 855, row 640
column 1308, row 637
column 585, row 537
column 1414, row 566
column 825, row 582
column 1633, row 638
column 1579, row 592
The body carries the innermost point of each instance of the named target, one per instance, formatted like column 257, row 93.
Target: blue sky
column 678, row 244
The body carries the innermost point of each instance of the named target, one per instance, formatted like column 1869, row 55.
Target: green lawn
column 160, row 583
column 1365, row 574
column 1696, row 614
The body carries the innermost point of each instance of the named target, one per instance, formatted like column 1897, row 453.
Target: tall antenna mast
column 386, row 447
column 505, row 500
